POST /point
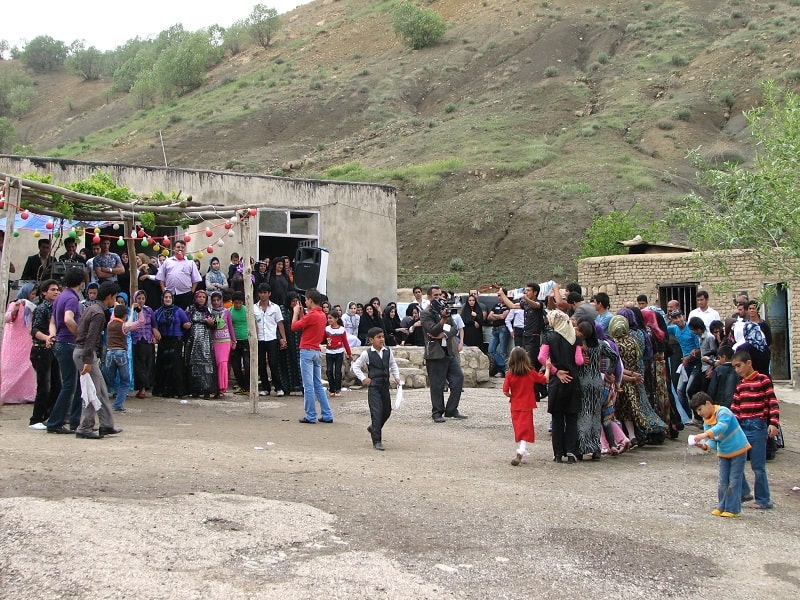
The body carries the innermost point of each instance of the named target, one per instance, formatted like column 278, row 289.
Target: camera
column 450, row 306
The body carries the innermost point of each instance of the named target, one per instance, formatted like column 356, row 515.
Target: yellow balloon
column 165, row 252
column 156, row 247
column 37, row 234
column 97, row 230
column 199, row 255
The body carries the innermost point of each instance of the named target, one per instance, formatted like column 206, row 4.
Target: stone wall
column 626, row 276
column 410, row 360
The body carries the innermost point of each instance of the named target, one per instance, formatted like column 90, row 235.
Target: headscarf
column 652, row 322
column 618, row 327
column 754, row 336
column 216, row 275
column 216, row 311
column 562, row 325
column 24, row 294
column 629, row 316
column 166, row 314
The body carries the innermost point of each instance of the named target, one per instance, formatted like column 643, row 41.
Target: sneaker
column 279, row 393
column 263, row 393
column 38, row 426
column 516, row 460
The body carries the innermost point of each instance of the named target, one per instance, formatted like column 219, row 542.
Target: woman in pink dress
column 18, row 377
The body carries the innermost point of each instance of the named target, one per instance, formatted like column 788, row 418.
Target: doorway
column 776, row 314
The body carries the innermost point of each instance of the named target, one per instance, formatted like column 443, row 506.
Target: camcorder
column 442, row 306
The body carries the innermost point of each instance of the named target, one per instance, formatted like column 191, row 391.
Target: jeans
column 311, row 372
column 756, row 432
column 687, row 387
column 729, row 488
column 117, row 361
column 69, row 398
column 89, row 414
column 498, row 347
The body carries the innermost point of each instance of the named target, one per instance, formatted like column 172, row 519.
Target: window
column 685, row 293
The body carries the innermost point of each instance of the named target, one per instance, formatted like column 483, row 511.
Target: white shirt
column 267, row 321
column 515, row 319
column 351, row 323
column 707, row 316
column 362, row 363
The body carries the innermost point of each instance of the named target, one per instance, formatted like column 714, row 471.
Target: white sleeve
column 358, row 366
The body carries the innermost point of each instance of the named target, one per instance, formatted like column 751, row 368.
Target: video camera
column 450, row 306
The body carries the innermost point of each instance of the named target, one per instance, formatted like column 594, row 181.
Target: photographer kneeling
column 441, row 357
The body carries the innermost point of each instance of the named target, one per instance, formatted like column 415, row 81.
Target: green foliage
column 262, row 24
column 605, row 231
column 102, row 185
column 43, row 53
column 551, row 71
column 450, row 107
column 456, row 264
column 181, row 67
column 755, row 208
column 19, row 99
column 419, row 27
column 11, row 80
column 137, row 59
column 86, row 63
column 145, row 91
column 452, row 282
column 148, row 220
column 7, row 134
column 234, row 38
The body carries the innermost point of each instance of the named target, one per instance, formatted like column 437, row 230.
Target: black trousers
column 380, row 408
column 168, row 379
column 565, row 434
column 268, row 353
column 144, row 361
column 48, row 382
column 333, row 371
column 240, row 362
column 443, row 371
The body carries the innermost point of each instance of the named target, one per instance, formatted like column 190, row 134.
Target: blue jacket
column 725, row 434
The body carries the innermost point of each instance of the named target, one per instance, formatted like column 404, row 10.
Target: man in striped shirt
column 756, row 408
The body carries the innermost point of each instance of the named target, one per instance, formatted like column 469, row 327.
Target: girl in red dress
column 519, row 387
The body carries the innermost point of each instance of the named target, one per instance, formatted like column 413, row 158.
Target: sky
column 107, row 25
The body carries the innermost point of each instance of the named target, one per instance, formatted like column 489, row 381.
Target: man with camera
column 441, row 357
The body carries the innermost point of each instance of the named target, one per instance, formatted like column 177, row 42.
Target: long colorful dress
column 223, row 337
column 590, row 375
column 18, row 376
column 289, row 359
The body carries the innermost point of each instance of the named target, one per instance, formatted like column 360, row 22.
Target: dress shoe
column 61, row 429
column 304, row 420
column 326, row 420
column 456, row 415
column 109, row 431
column 439, row 419
column 88, row 435
column 378, row 446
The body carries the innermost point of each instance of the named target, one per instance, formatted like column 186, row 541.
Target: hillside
column 505, row 141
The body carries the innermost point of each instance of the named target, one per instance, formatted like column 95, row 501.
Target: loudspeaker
column 311, row 269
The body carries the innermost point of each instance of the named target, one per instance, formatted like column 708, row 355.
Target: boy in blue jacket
column 721, row 429
column 724, row 379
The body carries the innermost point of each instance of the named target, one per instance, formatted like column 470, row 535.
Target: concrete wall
column 626, row 276
column 357, row 220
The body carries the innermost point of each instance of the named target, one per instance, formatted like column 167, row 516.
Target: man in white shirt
column 703, row 311
column 269, row 322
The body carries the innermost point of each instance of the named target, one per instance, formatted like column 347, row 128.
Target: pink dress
column 18, row 377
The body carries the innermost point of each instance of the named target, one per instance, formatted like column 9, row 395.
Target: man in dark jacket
column 441, row 357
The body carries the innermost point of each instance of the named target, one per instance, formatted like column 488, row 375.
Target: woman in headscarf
column 261, row 274
column 215, row 278
column 612, row 438
column 752, row 340
column 392, row 325
column 590, row 376
column 18, row 376
column 223, row 339
column 199, row 356
column 289, row 359
column 657, row 377
column 369, row 319
column 171, row 323
column 633, row 407
column 143, row 343
column 472, row 315
column 281, row 286
column 564, row 390
column 147, row 280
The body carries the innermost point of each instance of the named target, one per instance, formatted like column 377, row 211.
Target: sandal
column 747, row 498
column 614, row 451
column 761, row 506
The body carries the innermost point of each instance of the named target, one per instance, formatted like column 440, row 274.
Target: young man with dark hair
column 312, row 325
column 602, row 304
column 703, row 310
column 240, row 355
column 641, row 301
column 48, row 378
column 39, row 266
column 271, row 339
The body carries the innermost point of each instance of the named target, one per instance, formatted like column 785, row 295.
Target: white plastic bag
column 89, row 392
column 398, row 399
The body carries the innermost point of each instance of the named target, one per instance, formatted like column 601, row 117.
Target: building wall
column 626, row 276
column 357, row 220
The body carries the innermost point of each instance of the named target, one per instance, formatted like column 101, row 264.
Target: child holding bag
column 519, row 387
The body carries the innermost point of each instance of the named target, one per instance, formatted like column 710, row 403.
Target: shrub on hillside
column 43, row 53
column 419, row 27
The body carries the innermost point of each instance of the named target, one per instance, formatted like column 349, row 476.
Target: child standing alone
column 722, row 430
column 519, row 387
column 379, row 362
column 336, row 346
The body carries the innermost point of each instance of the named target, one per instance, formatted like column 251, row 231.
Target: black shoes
column 456, row 415
column 439, row 419
column 304, row 420
column 378, row 446
column 369, row 428
column 109, row 431
column 61, row 429
column 88, row 435
column 324, row 421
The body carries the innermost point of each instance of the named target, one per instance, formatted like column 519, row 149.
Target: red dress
column 523, row 401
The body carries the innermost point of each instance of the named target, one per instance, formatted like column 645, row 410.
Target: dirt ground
column 204, row 500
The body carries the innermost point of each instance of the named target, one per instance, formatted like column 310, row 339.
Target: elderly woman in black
column 564, row 390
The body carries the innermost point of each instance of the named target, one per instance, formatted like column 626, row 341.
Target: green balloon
column 120, row 242
column 16, row 234
column 188, row 256
column 145, row 243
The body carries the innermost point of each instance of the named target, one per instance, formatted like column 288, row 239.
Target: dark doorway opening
column 273, row 246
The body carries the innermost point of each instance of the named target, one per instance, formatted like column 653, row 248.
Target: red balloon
column 166, row 241
column 151, row 241
column 228, row 225
column 252, row 212
column 24, row 214
column 210, row 249
column 142, row 233
column 96, row 239
column 209, row 233
column 187, row 238
column 49, row 225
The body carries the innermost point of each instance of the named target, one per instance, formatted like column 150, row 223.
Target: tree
column 605, row 231
column 7, row 134
column 262, row 24
column 182, row 66
column 10, row 82
column 4, row 47
column 19, row 99
column 755, row 207
column 234, row 38
column 87, row 63
column 43, row 53
column 419, row 27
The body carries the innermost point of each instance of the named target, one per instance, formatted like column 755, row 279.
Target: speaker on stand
column 311, row 269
